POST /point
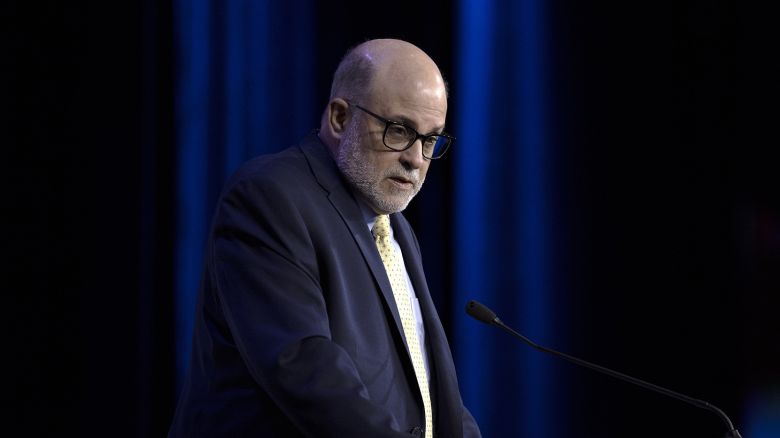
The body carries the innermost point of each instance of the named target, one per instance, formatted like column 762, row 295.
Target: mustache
column 410, row 175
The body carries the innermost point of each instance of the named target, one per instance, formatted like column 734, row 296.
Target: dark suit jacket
column 297, row 333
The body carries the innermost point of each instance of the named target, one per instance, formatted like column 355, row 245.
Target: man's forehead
column 417, row 88
column 407, row 87
column 418, row 112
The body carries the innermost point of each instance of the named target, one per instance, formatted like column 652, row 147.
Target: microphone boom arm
column 483, row 314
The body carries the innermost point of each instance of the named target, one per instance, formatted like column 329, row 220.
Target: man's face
column 387, row 179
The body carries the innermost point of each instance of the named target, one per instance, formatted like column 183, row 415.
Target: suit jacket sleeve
column 263, row 268
column 470, row 427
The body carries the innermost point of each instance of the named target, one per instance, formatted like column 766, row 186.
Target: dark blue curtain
column 501, row 228
column 245, row 87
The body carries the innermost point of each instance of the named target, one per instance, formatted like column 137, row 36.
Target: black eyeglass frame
column 417, row 135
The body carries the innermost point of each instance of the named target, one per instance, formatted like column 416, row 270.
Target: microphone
column 481, row 313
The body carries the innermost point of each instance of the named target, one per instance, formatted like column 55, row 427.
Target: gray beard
column 353, row 163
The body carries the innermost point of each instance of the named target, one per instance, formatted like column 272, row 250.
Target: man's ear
column 338, row 117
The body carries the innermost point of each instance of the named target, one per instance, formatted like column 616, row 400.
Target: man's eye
column 397, row 130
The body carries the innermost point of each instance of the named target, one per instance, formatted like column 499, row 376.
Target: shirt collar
column 369, row 215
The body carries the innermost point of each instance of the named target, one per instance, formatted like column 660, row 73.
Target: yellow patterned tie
column 396, row 274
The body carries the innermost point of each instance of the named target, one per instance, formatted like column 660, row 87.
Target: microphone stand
column 483, row 314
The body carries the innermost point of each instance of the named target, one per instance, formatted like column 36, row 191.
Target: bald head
column 382, row 69
column 365, row 65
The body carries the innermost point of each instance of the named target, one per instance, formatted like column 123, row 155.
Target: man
column 314, row 316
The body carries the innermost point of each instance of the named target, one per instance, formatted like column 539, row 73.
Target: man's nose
column 413, row 157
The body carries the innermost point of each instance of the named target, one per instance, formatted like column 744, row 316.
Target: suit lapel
column 329, row 177
column 446, row 398
column 443, row 381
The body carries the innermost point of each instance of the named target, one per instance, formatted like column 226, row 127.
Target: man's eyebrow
column 411, row 123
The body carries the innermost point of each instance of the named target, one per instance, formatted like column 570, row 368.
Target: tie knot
column 381, row 226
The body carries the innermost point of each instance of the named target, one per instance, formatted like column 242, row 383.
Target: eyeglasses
column 399, row 137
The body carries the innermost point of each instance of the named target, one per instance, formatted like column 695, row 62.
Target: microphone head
column 480, row 312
